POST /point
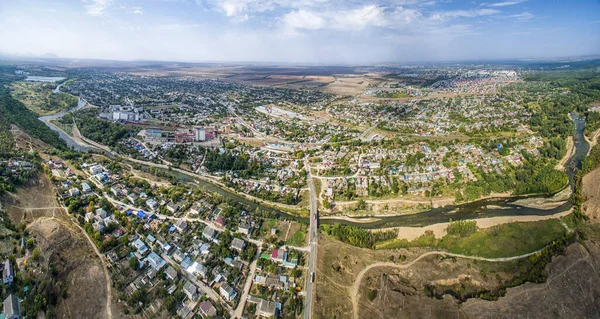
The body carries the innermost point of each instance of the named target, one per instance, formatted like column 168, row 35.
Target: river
column 70, row 142
column 473, row 210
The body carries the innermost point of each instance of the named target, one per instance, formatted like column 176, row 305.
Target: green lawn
column 499, row 241
column 299, row 238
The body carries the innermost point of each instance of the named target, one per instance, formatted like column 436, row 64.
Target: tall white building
column 200, row 134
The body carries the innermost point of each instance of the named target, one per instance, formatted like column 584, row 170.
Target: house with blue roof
column 155, row 261
column 141, row 247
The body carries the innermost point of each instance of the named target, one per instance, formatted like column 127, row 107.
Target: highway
column 313, row 231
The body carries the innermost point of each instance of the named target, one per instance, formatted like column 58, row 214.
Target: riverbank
column 592, row 140
column 439, row 230
column 546, row 203
column 570, row 152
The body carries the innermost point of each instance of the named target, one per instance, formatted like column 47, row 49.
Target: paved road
column 312, row 243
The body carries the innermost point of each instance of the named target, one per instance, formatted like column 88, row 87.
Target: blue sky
column 310, row 31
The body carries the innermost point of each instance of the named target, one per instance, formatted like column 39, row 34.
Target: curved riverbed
column 46, row 119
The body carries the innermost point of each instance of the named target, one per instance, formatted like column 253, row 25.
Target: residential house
column 164, row 245
column 8, row 272
column 245, row 228
column 186, row 262
column 178, row 256
column 155, row 261
column 96, row 169
column 12, row 307
column 74, row 191
column 220, row 222
column 279, row 255
column 101, row 213
column 151, row 203
column 190, row 290
column 196, row 210
column 267, row 309
column 85, row 187
column 116, row 191
column 181, row 225
column 132, row 198
column 172, row 207
column 238, row 244
column 209, row 233
column 204, row 249
column 184, row 312
column 141, row 247
column 171, row 273
column 227, row 292
column 207, row 309
column 197, row 269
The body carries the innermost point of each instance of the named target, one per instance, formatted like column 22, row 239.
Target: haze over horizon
column 313, row 31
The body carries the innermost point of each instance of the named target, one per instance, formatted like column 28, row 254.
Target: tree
column 35, row 254
column 134, row 263
column 362, row 205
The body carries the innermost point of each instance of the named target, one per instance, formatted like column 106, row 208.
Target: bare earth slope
column 63, row 247
column 591, row 191
column 571, row 291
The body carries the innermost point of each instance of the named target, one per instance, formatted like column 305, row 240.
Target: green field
column 506, row 240
column 38, row 97
column 299, row 237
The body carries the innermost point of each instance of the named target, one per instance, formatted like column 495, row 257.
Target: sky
column 296, row 31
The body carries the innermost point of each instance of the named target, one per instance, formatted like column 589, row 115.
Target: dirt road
column 353, row 290
column 104, row 267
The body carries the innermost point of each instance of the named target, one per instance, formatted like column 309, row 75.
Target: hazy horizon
column 310, row 32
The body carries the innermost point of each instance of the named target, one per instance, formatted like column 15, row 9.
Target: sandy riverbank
column 439, row 230
column 593, row 140
column 568, row 154
column 546, row 203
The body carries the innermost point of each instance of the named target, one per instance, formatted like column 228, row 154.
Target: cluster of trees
column 9, row 179
column 357, row 236
column 462, row 228
column 226, row 161
column 535, row 176
column 7, row 141
column 591, row 161
column 551, row 115
column 538, row 176
column 592, row 122
column 96, row 129
column 554, row 148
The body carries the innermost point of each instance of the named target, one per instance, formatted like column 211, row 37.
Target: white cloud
column 303, row 19
column 233, row 8
column 136, row 10
column 506, row 3
column 521, row 16
column 447, row 15
column 96, row 7
column 360, row 18
column 351, row 20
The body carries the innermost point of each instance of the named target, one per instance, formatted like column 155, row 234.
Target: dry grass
column 77, row 268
